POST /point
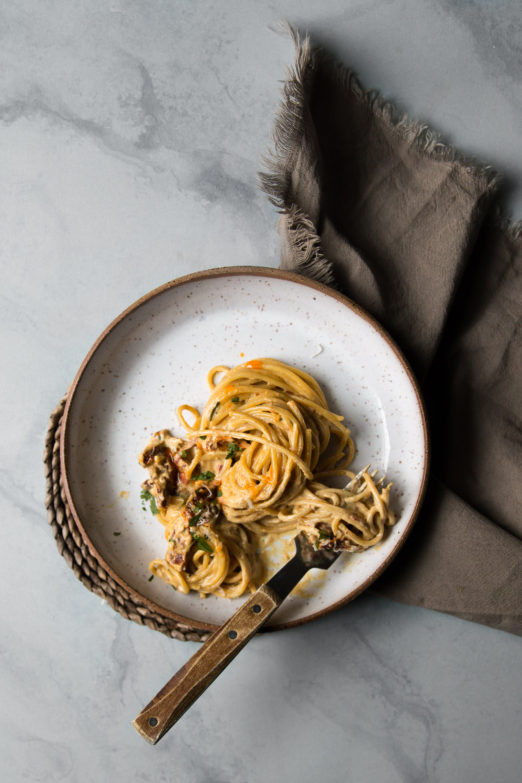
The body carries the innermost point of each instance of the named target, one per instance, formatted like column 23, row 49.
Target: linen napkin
column 377, row 206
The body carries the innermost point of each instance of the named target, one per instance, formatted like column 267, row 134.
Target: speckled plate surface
column 155, row 356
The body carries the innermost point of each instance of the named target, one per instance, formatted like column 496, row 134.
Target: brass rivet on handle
column 153, row 721
column 256, row 608
column 232, row 634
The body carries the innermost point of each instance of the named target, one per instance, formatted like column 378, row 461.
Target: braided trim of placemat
column 76, row 554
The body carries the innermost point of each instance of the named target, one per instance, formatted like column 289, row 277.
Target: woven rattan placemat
column 76, row 554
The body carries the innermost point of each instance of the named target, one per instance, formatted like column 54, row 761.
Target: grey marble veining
column 131, row 134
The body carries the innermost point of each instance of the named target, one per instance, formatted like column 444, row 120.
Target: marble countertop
column 130, row 138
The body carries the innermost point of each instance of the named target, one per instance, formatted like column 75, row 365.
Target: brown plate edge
column 250, row 271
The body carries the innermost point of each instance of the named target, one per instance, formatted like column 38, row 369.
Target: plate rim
column 250, row 271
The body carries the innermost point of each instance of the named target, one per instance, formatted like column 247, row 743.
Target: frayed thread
column 306, row 256
column 290, row 134
column 512, row 228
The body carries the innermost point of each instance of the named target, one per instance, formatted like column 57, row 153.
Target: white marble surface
column 130, row 137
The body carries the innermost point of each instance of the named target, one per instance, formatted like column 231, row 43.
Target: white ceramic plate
column 155, row 356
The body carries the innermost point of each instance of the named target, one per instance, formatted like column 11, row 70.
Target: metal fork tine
column 352, row 484
column 355, row 486
column 381, row 481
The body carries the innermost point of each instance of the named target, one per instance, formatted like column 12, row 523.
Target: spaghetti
column 251, row 466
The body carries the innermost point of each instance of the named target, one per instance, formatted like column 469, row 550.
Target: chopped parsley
column 323, row 534
column 208, row 476
column 151, row 577
column 202, row 543
column 147, row 497
column 116, row 534
column 234, row 399
column 219, row 493
column 195, row 518
column 232, row 451
column 214, row 409
column 202, row 437
column 184, row 454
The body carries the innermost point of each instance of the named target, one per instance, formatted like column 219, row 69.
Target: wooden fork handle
column 201, row 670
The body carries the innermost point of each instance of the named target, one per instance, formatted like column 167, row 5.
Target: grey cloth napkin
column 378, row 207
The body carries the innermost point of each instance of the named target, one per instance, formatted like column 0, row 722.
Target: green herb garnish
column 202, row 437
column 146, row 496
column 208, row 476
column 214, row 409
column 323, row 534
column 202, row 543
column 116, row 534
column 184, row 454
column 195, row 519
column 232, row 450
column 151, row 577
column 234, row 399
column 219, row 493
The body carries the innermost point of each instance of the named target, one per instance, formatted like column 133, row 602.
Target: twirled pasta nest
column 252, row 465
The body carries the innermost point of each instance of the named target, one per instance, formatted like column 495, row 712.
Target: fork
column 200, row 671
column 194, row 677
column 356, row 481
